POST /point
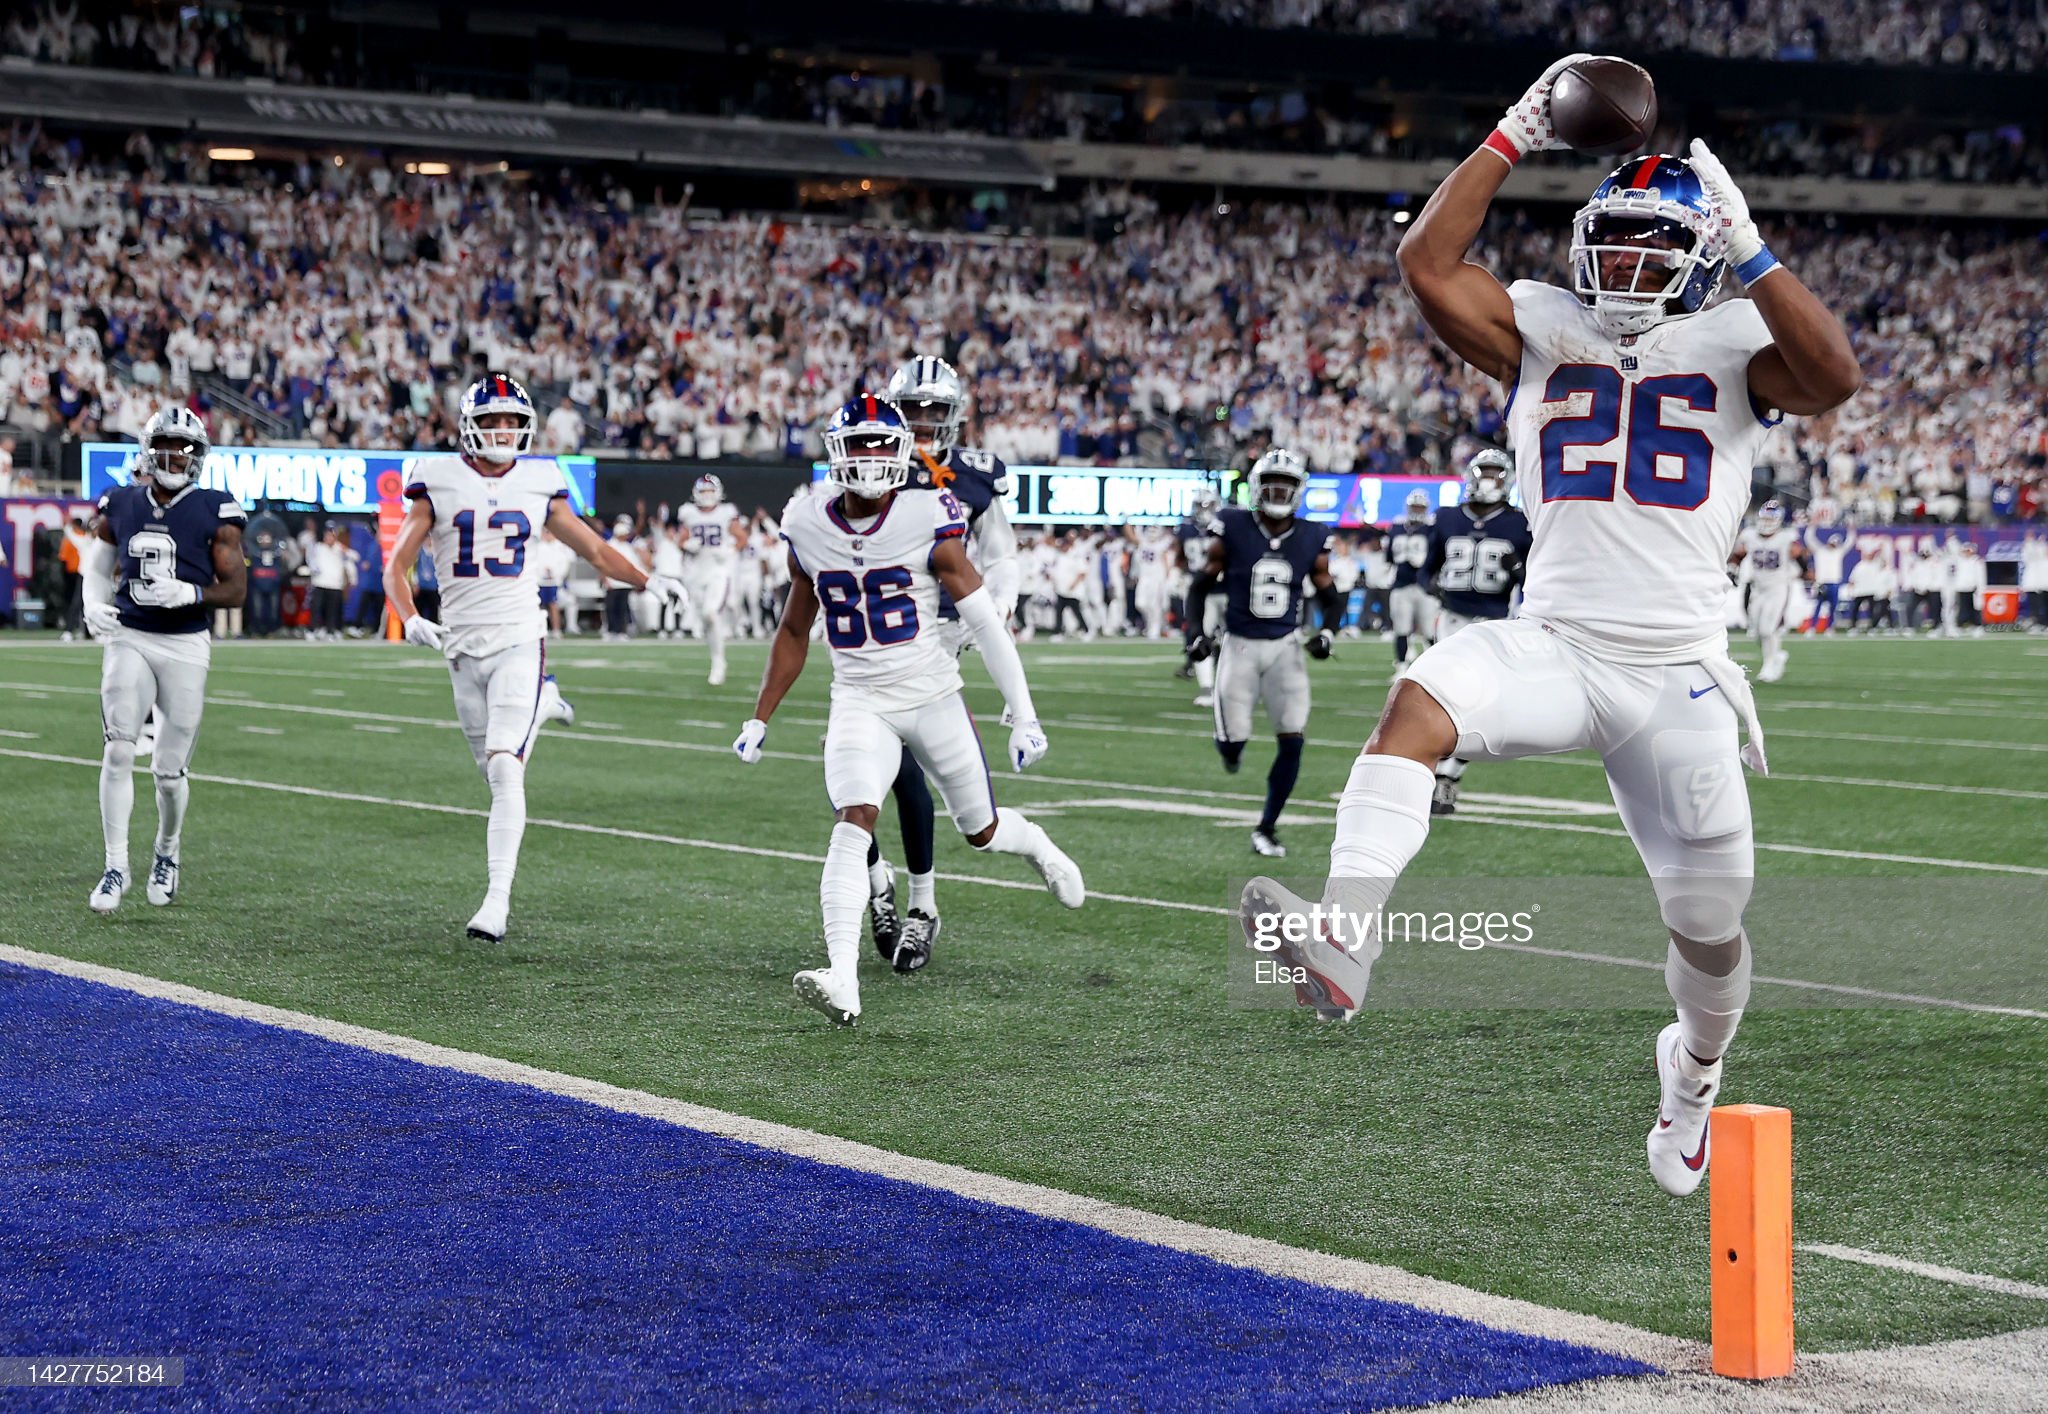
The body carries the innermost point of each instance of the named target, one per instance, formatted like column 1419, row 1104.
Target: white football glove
column 102, row 620
column 165, row 593
column 668, row 589
column 747, row 745
column 424, row 632
column 1526, row 125
column 1027, row 745
column 1739, row 235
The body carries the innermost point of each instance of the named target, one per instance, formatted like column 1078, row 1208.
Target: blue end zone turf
column 315, row 1225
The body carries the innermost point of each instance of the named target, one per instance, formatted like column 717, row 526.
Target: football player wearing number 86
column 872, row 558
column 1636, row 404
column 482, row 508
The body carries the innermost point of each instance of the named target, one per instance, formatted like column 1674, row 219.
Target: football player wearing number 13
column 874, row 557
column 1636, row 406
column 482, row 508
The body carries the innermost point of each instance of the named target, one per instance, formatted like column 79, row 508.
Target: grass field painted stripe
column 1135, row 900
column 1235, row 1249
column 2002, row 1285
column 1864, row 781
column 439, row 723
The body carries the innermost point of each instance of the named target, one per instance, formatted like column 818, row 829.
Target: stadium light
column 1400, row 218
column 232, row 154
column 431, row 169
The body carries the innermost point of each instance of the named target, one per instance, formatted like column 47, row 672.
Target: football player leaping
column 933, row 400
column 482, row 509
column 1775, row 553
column 874, row 556
column 1261, row 558
column 1477, row 555
column 711, row 528
column 179, row 551
column 1639, row 406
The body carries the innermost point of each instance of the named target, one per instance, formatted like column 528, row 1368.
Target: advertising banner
column 338, row 481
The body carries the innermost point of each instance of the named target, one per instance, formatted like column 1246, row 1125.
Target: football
column 1604, row 107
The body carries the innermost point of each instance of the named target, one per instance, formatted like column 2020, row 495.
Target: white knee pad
column 1704, row 908
column 119, row 754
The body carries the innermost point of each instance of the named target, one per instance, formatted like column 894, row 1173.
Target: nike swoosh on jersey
column 1699, row 692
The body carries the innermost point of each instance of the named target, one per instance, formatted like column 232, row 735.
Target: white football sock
column 878, row 877
column 924, row 894
column 1382, row 821
column 172, row 793
column 507, row 775
column 842, row 894
column 117, row 800
column 1205, row 674
column 1452, row 768
column 1017, row 835
column 1709, row 1008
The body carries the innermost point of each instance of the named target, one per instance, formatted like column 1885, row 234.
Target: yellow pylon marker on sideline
column 1750, row 1218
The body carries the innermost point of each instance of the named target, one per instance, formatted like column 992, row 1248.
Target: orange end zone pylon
column 1751, row 1223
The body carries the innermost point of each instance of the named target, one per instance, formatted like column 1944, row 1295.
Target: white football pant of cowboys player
column 1619, row 646
column 870, row 561
column 178, row 548
column 1410, row 608
column 708, row 530
column 481, row 509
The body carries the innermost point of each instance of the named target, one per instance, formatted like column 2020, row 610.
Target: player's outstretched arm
column 1810, row 366
column 606, row 557
column 230, row 587
column 1463, row 304
column 790, row 646
column 992, row 636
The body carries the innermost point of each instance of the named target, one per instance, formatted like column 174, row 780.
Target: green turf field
column 1498, row 1142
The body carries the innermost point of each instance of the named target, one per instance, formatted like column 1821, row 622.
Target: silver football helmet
column 1488, row 476
column 1417, row 508
column 174, row 448
column 1278, row 479
column 932, row 397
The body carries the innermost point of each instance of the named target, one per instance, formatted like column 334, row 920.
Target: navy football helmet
column 867, row 447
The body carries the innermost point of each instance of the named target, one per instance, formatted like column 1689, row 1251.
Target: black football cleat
column 914, row 949
column 1444, row 800
column 883, row 919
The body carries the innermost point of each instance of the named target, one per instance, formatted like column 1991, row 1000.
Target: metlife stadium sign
column 338, row 481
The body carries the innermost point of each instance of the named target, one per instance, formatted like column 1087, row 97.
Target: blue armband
column 1756, row 267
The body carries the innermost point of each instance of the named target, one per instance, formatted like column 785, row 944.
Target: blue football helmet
column 497, row 393
column 1656, row 211
column 867, row 447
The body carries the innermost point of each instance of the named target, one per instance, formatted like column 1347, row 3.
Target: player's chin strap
column 1729, row 677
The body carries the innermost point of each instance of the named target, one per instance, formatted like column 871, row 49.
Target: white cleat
column 1337, row 976
column 1267, row 843
column 1773, row 666
column 489, row 923
column 718, row 673
column 1680, row 1139
column 837, row 997
column 1062, row 875
column 106, row 894
column 163, row 881
column 1205, row 699
column 553, row 706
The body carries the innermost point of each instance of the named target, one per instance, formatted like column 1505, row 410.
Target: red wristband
column 1498, row 144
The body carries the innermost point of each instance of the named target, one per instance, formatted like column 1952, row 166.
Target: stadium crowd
column 347, row 305
column 2007, row 35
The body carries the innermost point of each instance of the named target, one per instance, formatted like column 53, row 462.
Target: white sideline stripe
column 1233, row 1249
column 1926, row 709
column 260, row 731
column 2004, row 1286
column 376, row 727
column 1912, row 740
column 1173, row 905
column 22, row 736
column 1817, row 851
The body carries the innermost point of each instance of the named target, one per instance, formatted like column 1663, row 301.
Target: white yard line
column 1342, row 1273
column 2004, row 1286
column 1489, row 818
column 1136, row 900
